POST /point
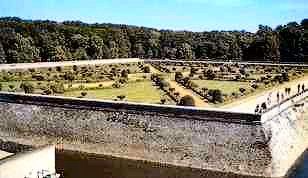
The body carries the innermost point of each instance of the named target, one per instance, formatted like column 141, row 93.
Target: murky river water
column 91, row 166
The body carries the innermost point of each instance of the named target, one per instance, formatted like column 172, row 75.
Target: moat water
column 84, row 166
column 302, row 170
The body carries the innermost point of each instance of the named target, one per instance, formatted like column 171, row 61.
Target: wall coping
column 191, row 113
column 15, row 66
column 230, row 62
column 129, row 60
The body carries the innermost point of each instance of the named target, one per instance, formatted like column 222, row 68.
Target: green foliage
column 47, row 91
column 2, row 55
column 80, row 54
column 209, row 74
column 178, row 76
column 12, row 88
column 83, row 93
column 242, row 90
column 29, row 41
column 69, row 76
column 124, row 73
column 215, row 95
column 121, row 97
column 163, row 101
column 146, row 69
column 187, row 101
column 27, row 87
column 57, row 87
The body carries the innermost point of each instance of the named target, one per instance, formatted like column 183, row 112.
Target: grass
column 16, row 84
column 227, row 87
column 135, row 92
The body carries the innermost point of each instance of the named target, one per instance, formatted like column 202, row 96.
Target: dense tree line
column 32, row 41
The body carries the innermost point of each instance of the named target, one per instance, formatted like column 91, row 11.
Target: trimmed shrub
column 187, row 101
column 47, row 91
column 178, row 76
column 11, row 87
column 215, row 95
column 146, row 69
column 121, row 97
column 254, row 86
column 163, row 101
column 57, row 87
column 242, row 90
column 83, row 94
column 124, row 73
column 116, row 85
column 27, row 87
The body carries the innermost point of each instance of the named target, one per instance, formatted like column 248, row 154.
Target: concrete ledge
column 66, row 63
column 218, row 115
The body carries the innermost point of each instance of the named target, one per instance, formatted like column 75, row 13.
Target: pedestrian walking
column 289, row 91
column 257, row 109
column 298, row 88
column 303, row 87
column 263, row 107
column 278, row 97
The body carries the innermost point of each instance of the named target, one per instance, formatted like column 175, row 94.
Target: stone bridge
column 216, row 143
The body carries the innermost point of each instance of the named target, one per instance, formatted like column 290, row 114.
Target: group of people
column 280, row 97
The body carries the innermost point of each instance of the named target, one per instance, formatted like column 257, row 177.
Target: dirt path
column 198, row 101
column 249, row 104
column 154, row 70
column 181, row 90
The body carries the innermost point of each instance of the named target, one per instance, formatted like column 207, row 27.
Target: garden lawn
column 16, row 84
column 135, row 92
column 227, row 87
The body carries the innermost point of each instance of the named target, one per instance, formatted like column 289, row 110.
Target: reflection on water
column 75, row 165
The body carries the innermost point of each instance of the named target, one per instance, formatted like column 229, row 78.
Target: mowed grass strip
column 16, row 84
column 227, row 87
column 142, row 92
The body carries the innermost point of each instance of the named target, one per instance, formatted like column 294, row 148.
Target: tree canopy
column 33, row 41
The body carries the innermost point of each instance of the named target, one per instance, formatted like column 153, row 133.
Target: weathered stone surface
column 241, row 146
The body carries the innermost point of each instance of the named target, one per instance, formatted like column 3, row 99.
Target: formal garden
column 190, row 84
column 222, row 83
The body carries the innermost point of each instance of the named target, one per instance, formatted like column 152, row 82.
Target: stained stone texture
column 239, row 146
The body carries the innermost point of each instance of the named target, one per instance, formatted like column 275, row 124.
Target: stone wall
column 286, row 132
column 211, row 140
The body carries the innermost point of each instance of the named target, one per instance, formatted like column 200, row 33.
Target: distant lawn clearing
column 227, row 87
column 142, row 92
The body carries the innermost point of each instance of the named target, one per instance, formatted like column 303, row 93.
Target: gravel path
column 4, row 154
column 249, row 104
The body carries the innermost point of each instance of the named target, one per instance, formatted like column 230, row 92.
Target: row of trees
column 31, row 41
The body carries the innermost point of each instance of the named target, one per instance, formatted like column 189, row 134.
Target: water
column 83, row 166
column 302, row 170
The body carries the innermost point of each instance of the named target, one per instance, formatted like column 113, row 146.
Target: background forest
column 37, row 40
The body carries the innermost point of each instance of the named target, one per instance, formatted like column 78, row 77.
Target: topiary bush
column 146, row 69
column 187, row 101
column 27, row 87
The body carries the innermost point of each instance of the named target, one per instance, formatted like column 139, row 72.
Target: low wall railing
column 302, row 94
column 218, row 115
